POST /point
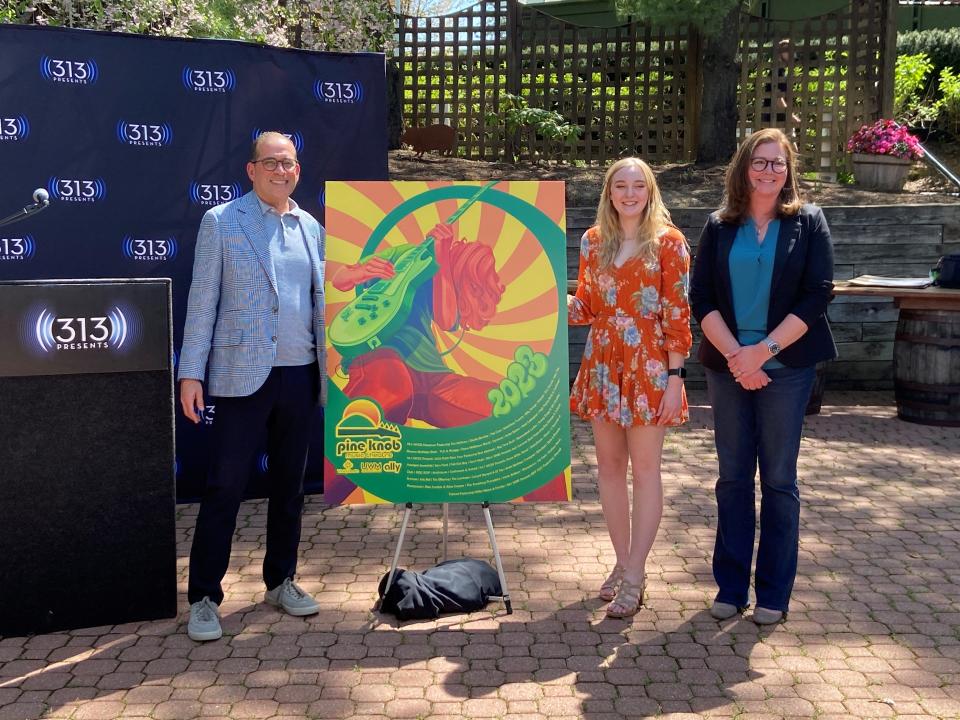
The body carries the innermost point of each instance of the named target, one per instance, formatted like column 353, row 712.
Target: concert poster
column 446, row 336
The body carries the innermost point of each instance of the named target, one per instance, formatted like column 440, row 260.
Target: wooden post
column 888, row 28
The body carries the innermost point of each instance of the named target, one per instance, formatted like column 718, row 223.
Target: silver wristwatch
column 772, row 345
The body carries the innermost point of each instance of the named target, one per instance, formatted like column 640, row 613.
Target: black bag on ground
column 454, row 586
column 947, row 272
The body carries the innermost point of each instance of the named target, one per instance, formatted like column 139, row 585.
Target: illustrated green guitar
column 382, row 309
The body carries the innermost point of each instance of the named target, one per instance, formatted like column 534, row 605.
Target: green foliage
column 912, row 101
column 950, row 100
column 341, row 25
column 705, row 14
column 941, row 46
column 516, row 117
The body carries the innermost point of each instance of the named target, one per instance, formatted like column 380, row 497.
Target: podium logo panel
column 65, row 328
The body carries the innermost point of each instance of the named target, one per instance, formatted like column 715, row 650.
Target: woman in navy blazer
column 761, row 282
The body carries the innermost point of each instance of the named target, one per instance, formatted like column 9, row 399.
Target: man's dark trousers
column 285, row 405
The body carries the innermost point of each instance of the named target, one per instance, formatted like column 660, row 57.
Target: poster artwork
column 447, row 342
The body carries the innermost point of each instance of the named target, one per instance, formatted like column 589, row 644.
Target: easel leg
column 396, row 555
column 446, row 517
column 496, row 557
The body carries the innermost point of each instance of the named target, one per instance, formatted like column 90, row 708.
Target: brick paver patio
column 874, row 628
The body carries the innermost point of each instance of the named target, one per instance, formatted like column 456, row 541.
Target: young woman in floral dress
column 632, row 291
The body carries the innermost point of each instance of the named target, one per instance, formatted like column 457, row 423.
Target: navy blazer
column 802, row 284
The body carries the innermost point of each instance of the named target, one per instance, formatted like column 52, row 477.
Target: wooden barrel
column 926, row 367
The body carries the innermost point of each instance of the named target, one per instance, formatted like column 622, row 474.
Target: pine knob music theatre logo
column 144, row 134
column 76, row 72
column 109, row 331
column 17, row 248
column 74, row 190
column 213, row 194
column 144, row 249
column 14, row 128
column 209, row 81
column 338, row 92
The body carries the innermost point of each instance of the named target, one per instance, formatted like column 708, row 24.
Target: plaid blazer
column 231, row 326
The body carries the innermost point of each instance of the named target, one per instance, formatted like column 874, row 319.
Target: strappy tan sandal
column 608, row 591
column 629, row 597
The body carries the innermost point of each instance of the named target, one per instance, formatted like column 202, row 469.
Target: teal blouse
column 751, row 270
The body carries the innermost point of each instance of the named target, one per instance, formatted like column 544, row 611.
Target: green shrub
column 941, row 46
column 516, row 116
column 950, row 100
column 912, row 95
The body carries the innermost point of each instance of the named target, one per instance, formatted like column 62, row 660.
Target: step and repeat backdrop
column 134, row 138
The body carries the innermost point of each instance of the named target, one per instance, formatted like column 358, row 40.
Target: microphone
column 41, row 201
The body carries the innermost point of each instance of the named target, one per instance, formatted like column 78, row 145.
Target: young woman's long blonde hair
column 655, row 215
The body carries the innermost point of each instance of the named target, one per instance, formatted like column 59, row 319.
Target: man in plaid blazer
column 254, row 328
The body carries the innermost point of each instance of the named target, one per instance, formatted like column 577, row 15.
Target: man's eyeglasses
column 270, row 164
column 779, row 165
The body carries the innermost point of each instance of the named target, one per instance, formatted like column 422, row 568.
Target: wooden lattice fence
column 818, row 78
column 634, row 89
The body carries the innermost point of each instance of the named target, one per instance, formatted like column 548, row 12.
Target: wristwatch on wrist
column 679, row 372
column 772, row 345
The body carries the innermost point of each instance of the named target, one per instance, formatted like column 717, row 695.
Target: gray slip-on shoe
column 204, row 621
column 292, row 598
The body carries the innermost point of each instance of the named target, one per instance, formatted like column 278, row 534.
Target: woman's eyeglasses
column 778, row 165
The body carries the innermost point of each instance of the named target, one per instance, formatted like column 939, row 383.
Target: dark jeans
column 754, row 427
column 284, row 405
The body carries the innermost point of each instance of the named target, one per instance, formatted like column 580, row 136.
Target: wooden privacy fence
column 634, row 89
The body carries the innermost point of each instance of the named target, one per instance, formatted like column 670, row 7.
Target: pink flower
column 885, row 137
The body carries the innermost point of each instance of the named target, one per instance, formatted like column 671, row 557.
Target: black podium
column 87, row 483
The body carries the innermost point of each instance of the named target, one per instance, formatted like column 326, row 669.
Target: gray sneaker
column 723, row 611
column 291, row 597
column 766, row 616
column 204, row 621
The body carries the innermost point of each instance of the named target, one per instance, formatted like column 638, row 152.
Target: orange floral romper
column 637, row 314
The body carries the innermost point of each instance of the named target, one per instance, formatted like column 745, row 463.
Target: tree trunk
column 394, row 106
column 718, row 104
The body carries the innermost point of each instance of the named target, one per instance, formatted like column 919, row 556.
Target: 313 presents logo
column 210, row 194
column 296, row 137
column 14, row 128
column 144, row 134
column 77, row 189
column 51, row 332
column 147, row 249
column 327, row 91
column 208, row 80
column 22, row 247
column 75, row 72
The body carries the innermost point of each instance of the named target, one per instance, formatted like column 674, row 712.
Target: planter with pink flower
column 882, row 155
